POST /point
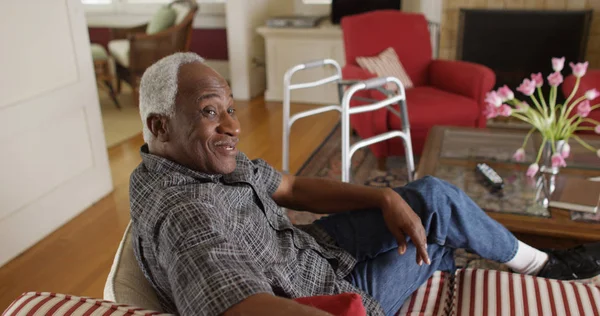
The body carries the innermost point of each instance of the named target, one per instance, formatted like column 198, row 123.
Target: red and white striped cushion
column 386, row 64
column 478, row 292
column 431, row 299
column 44, row 303
column 490, row 292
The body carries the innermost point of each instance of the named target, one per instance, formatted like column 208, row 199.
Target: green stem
column 584, row 144
column 539, row 107
column 585, row 128
column 572, row 106
column 527, row 137
column 553, row 94
column 569, row 128
column 521, row 117
column 589, row 120
column 539, row 155
column 539, row 90
column 572, row 92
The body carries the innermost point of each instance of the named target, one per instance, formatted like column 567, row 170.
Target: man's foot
column 582, row 262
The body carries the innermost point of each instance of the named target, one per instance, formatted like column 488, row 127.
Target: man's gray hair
column 158, row 87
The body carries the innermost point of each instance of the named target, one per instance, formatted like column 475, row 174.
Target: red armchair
column 444, row 93
column 590, row 81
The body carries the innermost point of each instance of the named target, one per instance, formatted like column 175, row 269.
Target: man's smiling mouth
column 228, row 145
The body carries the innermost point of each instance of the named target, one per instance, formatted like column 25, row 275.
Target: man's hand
column 325, row 196
column 402, row 220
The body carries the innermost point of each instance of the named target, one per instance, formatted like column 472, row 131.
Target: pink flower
column 519, row 155
column 527, row 87
column 533, row 169
column 505, row 93
column 584, row 108
column 558, row 160
column 555, row 79
column 504, row 110
column 492, row 97
column 591, row 94
column 565, row 151
column 579, row 69
column 490, row 111
column 523, row 106
column 538, row 79
column 558, row 63
column 597, row 129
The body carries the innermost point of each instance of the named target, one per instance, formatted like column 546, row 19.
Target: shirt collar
column 162, row 165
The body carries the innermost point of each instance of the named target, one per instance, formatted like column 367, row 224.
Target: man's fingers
column 420, row 240
column 401, row 242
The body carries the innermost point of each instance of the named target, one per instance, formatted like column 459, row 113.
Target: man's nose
column 229, row 125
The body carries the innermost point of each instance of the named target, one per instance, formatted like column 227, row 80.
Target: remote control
column 490, row 177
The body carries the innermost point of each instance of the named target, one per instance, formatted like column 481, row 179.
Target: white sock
column 528, row 260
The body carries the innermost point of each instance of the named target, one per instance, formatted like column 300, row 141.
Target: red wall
column 208, row 43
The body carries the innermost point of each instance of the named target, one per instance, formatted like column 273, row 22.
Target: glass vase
column 546, row 182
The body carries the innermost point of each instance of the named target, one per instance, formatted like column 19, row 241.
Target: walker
column 345, row 111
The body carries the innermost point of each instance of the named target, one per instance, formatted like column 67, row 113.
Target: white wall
column 53, row 158
column 246, row 47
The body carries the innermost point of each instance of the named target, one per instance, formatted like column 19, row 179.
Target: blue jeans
column 451, row 220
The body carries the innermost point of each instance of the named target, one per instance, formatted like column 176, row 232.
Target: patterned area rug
column 325, row 162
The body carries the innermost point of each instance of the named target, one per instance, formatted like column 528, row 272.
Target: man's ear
column 158, row 125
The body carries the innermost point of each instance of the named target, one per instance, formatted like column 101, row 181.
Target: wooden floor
column 76, row 258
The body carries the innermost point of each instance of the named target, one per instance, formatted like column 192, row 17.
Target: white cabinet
column 286, row 47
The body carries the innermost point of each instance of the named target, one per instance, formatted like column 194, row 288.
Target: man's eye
column 210, row 112
column 230, row 111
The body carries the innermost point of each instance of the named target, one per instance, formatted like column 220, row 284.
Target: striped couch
column 467, row 292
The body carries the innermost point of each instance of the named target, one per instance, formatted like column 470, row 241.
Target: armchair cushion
column 163, row 19
column 119, row 49
column 386, row 64
column 181, row 11
column 98, row 52
column 429, row 106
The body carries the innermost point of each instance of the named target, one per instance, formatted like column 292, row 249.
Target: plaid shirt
column 206, row 242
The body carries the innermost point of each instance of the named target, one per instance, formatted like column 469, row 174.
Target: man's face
column 204, row 129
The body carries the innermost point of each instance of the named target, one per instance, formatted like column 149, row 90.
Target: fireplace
column 515, row 44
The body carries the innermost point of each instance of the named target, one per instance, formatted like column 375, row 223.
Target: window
column 143, row 7
column 156, row 1
column 96, row 1
column 316, row 1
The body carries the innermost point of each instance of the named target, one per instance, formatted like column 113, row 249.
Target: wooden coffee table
column 451, row 153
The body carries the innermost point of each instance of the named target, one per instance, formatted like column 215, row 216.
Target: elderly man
column 211, row 238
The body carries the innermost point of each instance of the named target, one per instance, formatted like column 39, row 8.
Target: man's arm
column 267, row 304
column 325, row 196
